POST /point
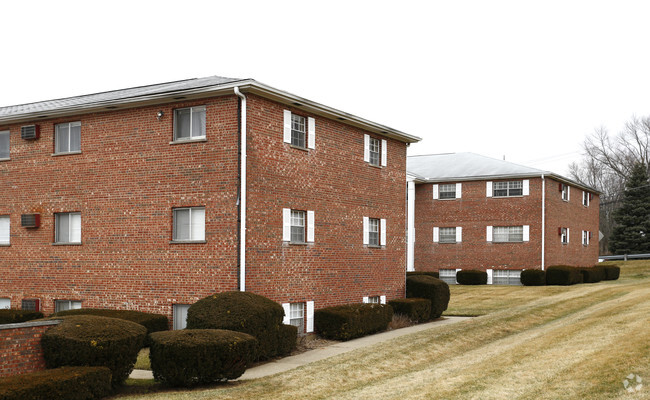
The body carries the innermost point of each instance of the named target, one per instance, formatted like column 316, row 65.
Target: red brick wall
column 474, row 211
column 20, row 347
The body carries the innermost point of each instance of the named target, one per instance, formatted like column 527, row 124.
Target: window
column 564, row 189
column 189, row 123
column 5, row 231
column 564, row 235
column 372, row 300
column 297, row 316
column 508, row 189
column 67, row 137
column 506, row 277
column 189, row 224
column 448, row 191
column 62, row 305
column 5, row 303
column 448, row 275
column 298, row 131
column 447, row 235
column 30, row 305
column 179, row 312
column 586, row 236
column 586, row 197
column 373, row 231
column 297, row 226
column 4, row 145
column 502, row 234
column 374, row 151
column 67, row 227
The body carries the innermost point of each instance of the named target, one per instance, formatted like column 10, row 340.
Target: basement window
column 180, row 315
column 63, row 305
column 297, row 316
column 506, row 277
column 447, row 275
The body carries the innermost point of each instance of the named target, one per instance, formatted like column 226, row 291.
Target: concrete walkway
column 288, row 363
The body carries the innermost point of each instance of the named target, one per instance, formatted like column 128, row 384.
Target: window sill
column 181, row 141
column 66, row 244
column 508, row 197
column 447, row 242
column 293, row 146
column 66, row 153
column 5, row 159
column 374, row 246
column 375, row 166
column 188, row 241
column 5, row 244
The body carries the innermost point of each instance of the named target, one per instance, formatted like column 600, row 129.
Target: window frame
column 564, row 235
column 446, row 276
column 298, row 231
column 191, row 137
column 175, row 238
column 374, row 156
column 512, row 237
column 177, row 323
column 297, row 316
column 6, row 133
column 59, row 305
column 376, row 234
column 31, row 301
column 565, row 192
column 506, row 277
column 70, row 228
column 448, row 194
column 585, row 198
column 586, row 238
column 6, row 242
column 298, row 135
column 69, row 126
column 449, row 239
column 510, row 186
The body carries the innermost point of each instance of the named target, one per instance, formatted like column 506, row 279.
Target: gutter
column 242, row 193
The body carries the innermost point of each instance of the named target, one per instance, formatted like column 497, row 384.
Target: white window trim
column 70, row 125
column 489, row 234
column 190, row 138
column 382, row 231
column 175, row 239
column 310, row 133
column 5, row 230
column 72, row 305
column 71, row 228
column 8, row 133
column 383, row 151
column 308, row 312
column 310, row 225
column 5, row 303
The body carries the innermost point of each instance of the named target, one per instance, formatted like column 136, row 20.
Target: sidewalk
column 288, row 363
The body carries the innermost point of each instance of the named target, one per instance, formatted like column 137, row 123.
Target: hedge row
column 533, row 277
column 566, row 275
column 434, row 274
column 65, row 383
column 417, row 310
column 352, row 320
column 12, row 316
column 471, row 277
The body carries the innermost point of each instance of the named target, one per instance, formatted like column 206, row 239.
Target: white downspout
column 410, row 235
column 543, row 222
column 242, row 195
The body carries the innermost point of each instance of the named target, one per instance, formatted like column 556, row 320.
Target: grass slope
column 577, row 342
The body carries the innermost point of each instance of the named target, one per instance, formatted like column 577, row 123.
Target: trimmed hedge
column 242, row 312
column 199, row 356
column 435, row 274
column 533, row 277
column 471, row 277
column 428, row 287
column 288, row 339
column 89, row 340
column 352, row 320
column 153, row 322
column 417, row 310
column 563, row 275
column 65, row 383
column 612, row 272
column 593, row 275
column 11, row 316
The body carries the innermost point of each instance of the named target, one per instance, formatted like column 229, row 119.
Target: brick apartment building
column 148, row 199
column 468, row 211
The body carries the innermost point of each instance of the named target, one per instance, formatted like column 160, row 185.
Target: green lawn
column 577, row 342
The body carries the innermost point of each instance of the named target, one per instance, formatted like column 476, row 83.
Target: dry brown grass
column 575, row 342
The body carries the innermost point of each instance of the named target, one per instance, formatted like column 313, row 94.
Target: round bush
column 471, row 277
column 88, row 340
column 242, row 312
column 533, row 277
column 428, row 287
column 198, row 356
column 415, row 309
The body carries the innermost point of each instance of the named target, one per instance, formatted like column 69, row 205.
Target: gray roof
column 186, row 89
column 470, row 167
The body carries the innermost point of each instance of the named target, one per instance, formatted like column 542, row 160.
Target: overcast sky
column 521, row 79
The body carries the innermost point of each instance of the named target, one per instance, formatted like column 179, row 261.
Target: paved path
column 288, row 363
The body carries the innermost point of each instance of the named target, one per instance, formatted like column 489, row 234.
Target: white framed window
column 564, row 235
column 297, row 316
column 586, row 198
column 298, row 218
column 5, row 145
column 506, row 277
column 67, row 137
column 179, row 316
column 375, row 151
column 189, row 224
column 5, row 303
column 508, row 234
column 299, row 313
column 67, row 227
column 5, row 230
column 508, row 189
column 374, row 231
column 447, row 234
column 63, row 305
column 586, row 237
column 447, row 191
column 565, row 190
column 298, row 226
column 189, row 123
column 448, row 275
column 298, row 131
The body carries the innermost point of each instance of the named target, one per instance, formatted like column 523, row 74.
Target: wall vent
column 30, row 220
column 30, row 132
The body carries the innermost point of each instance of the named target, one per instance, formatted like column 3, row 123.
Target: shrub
column 65, row 383
column 612, row 272
column 428, row 287
column 88, row 340
column 288, row 339
column 198, row 356
column 352, row 320
column 435, row 274
column 415, row 309
column 563, row 275
column 533, row 277
column 242, row 312
column 11, row 316
column 153, row 322
column 593, row 274
column 471, row 277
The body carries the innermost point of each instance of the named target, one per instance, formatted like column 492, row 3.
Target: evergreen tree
column 632, row 233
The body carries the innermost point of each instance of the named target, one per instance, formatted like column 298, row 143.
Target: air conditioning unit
column 31, row 304
column 30, row 220
column 30, row 132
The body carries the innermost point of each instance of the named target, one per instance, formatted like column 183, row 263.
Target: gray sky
column 521, row 79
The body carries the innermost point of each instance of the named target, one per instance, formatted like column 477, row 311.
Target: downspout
column 543, row 222
column 242, row 193
column 410, row 232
